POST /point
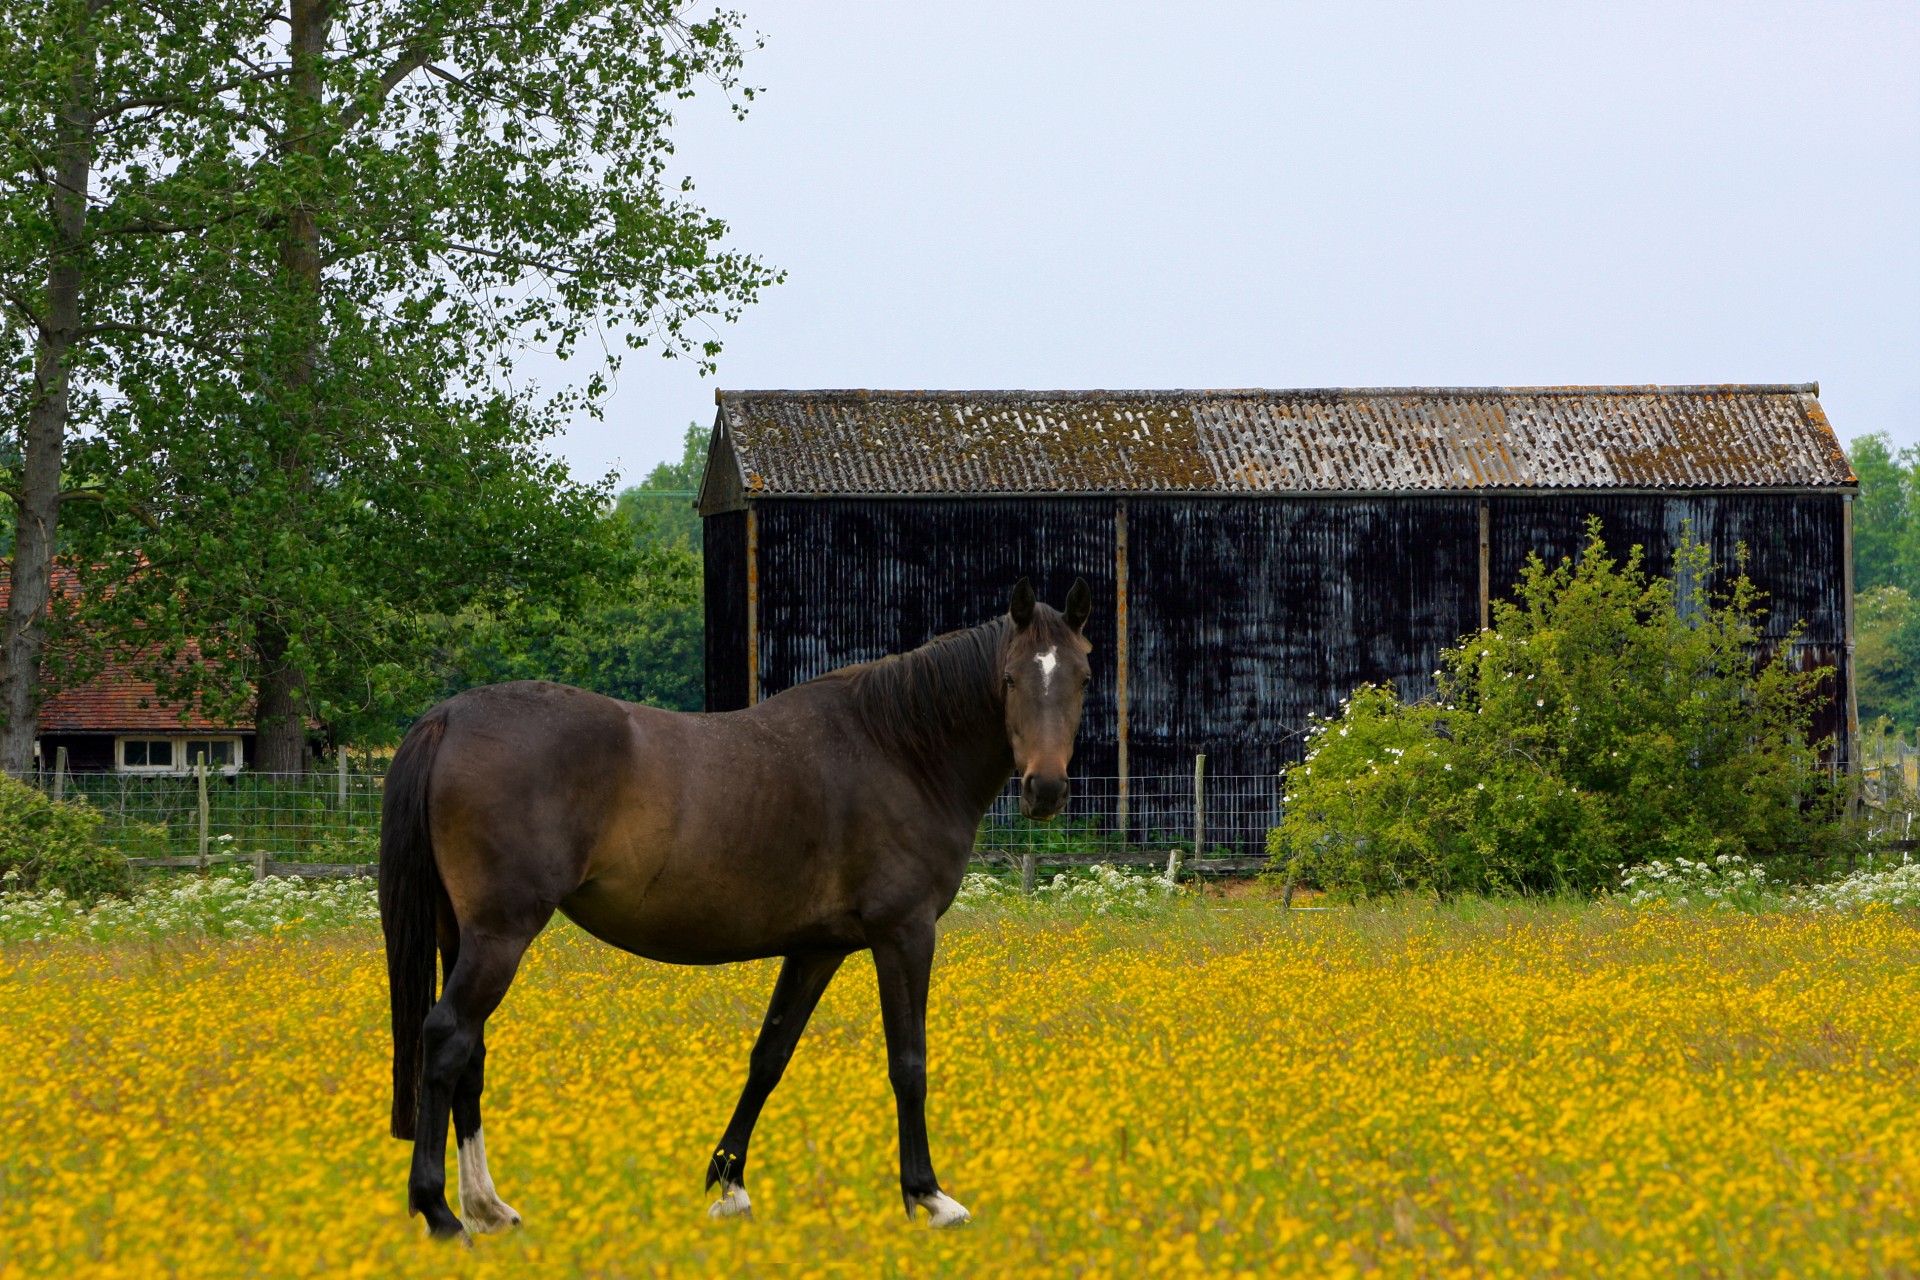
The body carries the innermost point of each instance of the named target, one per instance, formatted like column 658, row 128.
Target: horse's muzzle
column 1042, row 797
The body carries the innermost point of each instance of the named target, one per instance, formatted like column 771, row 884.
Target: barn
column 1254, row 554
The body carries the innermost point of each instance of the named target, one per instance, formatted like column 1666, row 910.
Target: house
column 117, row 722
column 1254, row 555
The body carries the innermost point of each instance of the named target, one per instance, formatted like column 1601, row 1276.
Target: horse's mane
column 913, row 702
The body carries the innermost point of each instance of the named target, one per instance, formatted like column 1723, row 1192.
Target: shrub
column 49, row 844
column 1606, row 719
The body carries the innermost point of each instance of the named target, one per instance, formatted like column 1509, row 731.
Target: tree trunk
column 281, row 700
column 280, row 715
column 43, row 448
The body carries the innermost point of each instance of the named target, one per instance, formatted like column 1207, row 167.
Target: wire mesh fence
column 320, row 816
column 326, row 816
column 1889, row 772
column 1141, row 821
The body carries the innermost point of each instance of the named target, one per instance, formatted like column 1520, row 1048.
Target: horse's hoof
column 441, row 1224
column 483, row 1217
column 943, row 1210
column 733, row 1203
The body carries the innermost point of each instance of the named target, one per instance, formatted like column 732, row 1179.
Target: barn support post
column 1486, row 595
column 1121, row 822
column 1854, row 761
column 200, row 783
column 753, row 606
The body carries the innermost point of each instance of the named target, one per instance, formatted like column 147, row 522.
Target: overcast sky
column 1124, row 195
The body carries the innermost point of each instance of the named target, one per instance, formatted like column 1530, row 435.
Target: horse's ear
column 1079, row 604
column 1022, row 608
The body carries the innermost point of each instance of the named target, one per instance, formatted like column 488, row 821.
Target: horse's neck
column 980, row 772
column 976, row 759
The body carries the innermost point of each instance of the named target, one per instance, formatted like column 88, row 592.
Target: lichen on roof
column 1431, row 439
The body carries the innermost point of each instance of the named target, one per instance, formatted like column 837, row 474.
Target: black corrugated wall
column 1796, row 549
column 847, row 580
column 1245, row 614
column 723, row 539
column 1249, row 613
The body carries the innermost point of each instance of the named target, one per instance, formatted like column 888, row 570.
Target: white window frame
column 232, row 766
column 179, row 742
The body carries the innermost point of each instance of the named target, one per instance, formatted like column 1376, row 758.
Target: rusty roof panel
column 907, row 443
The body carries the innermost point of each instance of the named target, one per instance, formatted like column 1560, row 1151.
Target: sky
column 1124, row 195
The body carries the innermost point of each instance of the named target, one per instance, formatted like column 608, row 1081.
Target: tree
column 95, row 89
column 1886, row 658
column 659, row 510
column 1883, row 525
column 1886, row 574
column 334, row 447
column 639, row 637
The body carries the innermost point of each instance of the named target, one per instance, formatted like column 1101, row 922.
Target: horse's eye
column 1009, row 679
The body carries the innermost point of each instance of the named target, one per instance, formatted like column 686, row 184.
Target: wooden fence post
column 1199, row 805
column 200, row 777
column 59, row 774
column 259, row 864
column 1027, row 872
column 343, row 779
column 1199, row 818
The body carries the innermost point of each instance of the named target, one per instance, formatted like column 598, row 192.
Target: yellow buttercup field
column 1496, row 1091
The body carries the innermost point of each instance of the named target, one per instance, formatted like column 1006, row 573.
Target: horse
column 836, row 816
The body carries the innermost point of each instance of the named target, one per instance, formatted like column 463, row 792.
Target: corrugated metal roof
column 802, row 443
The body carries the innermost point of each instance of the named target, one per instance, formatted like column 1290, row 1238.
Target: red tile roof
column 117, row 700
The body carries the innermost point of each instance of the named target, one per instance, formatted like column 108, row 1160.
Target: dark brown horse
column 836, row 816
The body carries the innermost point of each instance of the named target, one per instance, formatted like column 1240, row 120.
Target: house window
column 217, row 753
column 178, row 755
column 147, row 755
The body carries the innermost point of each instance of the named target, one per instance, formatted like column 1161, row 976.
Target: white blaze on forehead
column 1048, row 661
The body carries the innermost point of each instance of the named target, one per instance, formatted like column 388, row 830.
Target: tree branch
column 513, row 258
column 25, row 308
column 402, row 67
column 165, row 335
column 183, row 101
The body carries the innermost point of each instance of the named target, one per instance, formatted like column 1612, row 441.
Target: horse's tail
column 410, row 897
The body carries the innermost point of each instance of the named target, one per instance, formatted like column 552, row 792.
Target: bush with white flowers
column 1102, row 889
column 210, row 906
column 1725, row 882
column 1894, row 886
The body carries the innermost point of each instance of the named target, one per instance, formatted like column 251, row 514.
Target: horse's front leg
column 904, row 962
column 803, row 978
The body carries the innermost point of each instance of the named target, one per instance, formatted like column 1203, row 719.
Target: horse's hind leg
column 452, row 1040
column 481, row 1208
column 802, row 980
